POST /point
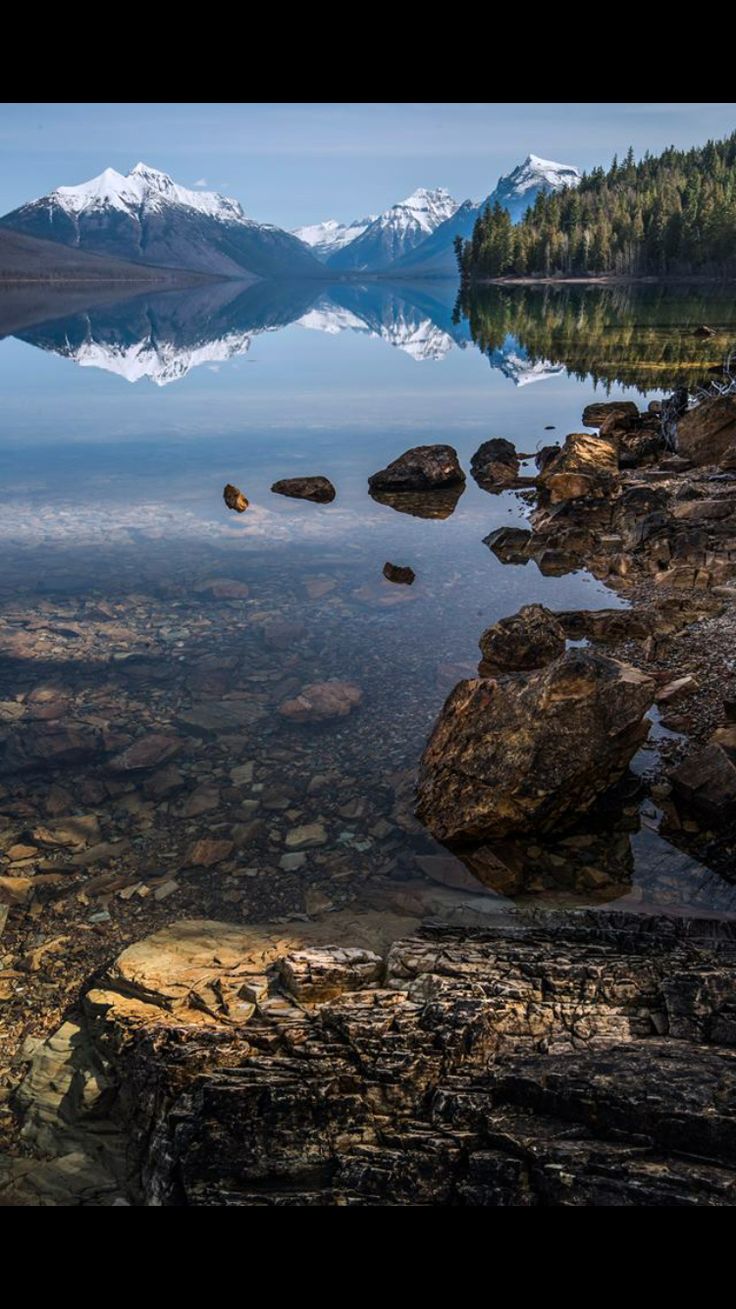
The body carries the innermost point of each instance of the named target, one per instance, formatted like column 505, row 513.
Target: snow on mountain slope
column 395, row 231
column 520, row 188
column 144, row 187
column 516, row 192
column 325, row 238
column 147, row 217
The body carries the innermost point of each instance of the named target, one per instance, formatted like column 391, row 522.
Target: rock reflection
column 421, row 504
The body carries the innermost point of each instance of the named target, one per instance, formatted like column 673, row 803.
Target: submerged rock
column 529, row 639
column 234, row 499
column 510, row 758
column 398, row 573
column 321, row 701
column 495, row 463
column 319, row 489
column 423, row 468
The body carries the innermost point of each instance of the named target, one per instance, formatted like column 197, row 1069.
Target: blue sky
column 300, row 163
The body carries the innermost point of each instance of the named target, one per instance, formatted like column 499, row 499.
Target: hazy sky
column 300, row 163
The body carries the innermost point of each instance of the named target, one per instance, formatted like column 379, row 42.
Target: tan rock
column 320, row 701
column 207, row 852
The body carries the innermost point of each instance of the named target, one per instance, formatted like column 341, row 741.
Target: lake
column 135, row 604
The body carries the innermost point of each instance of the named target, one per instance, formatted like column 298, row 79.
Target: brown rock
column 529, row 639
column 234, row 499
column 595, row 414
column 584, row 468
column 423, row 468
column 398, row 573
column 678, row 689
column 509, row 758
column 706, row 432
column 207, row 852
column 707, row 779
column 320, row 701
column 147, row 752
column 495, row 463
column 319, row 489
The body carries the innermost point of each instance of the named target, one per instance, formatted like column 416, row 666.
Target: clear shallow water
column 121, row 425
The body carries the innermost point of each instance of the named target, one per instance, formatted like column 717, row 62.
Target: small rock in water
column 234, row 499
column 305, row 836
column 320, row 701
column 704, row 332
column 398, row 573
column 319, row 489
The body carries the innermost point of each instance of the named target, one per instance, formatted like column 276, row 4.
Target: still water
column 133, row 604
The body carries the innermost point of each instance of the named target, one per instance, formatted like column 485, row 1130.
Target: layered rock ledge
column 558, row 1059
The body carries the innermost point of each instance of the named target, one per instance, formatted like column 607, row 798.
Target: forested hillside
column 672, row 214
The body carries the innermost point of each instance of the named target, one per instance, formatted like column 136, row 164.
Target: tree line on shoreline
column 673, row 214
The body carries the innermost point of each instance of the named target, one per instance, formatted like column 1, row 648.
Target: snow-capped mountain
column 146, row 217
column 395, row 232
column 520, row 188
column 517, row 191
column 324, row 239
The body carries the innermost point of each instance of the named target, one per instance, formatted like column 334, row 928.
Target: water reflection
column 642, row 336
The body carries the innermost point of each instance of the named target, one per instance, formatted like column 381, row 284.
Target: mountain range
column 144, row 217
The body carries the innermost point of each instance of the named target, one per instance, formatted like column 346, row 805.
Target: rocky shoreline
column 383, row 1038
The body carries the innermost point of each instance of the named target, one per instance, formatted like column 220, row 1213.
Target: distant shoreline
column 603, row 279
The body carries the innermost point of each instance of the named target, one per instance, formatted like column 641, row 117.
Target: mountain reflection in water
column 639, row 336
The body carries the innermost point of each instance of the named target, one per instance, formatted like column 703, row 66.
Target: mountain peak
column 151, row 175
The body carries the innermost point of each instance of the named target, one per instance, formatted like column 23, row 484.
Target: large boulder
column 584, row 468
column 707, row 432
column 510, row 758
column 529, row 639
column 495, row 463
column 423, row 468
